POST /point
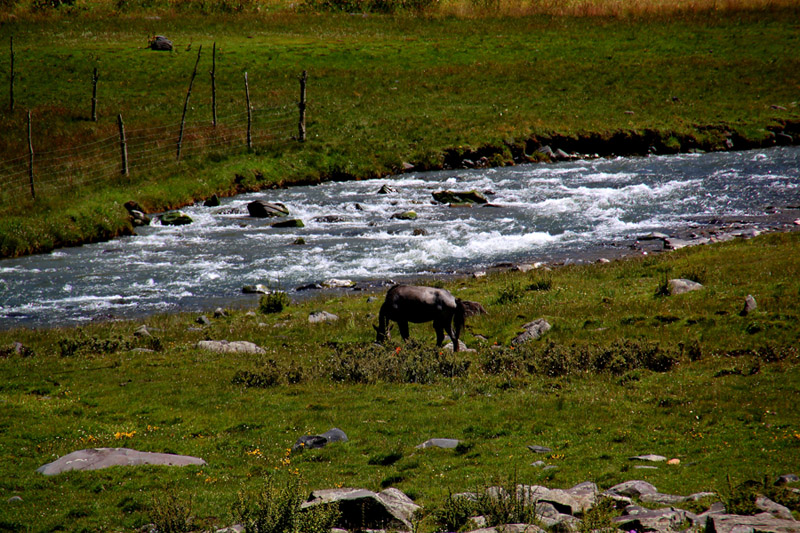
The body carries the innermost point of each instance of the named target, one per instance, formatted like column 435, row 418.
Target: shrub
column 454, row 513
column 171, row 514
column 513, row 292
column 274, row 302
column 276, row 509
column 264, row 378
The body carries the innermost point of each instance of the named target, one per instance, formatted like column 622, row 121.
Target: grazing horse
column 407, row 303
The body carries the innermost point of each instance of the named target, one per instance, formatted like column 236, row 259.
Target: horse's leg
column 403, row 325
column 453, row 337
column 439, row 333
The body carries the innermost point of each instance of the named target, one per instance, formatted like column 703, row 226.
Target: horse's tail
column 459, row 318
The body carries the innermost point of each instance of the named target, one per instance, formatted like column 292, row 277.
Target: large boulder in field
column 97, row 458
column 264, row 209
column 460, row 197
column 363, row 509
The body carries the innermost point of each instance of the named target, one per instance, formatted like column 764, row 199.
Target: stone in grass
column 532, row 330
column 160, row 43
column 511, row 528
column 764, row 523
column 310, row 442
column 243, row 347
column 633, row 489
column 539, row 449
column 750, row 305
column 649, row 457
column 318, row 317
column 439, row 443
column 97, row 458
column 680, row 286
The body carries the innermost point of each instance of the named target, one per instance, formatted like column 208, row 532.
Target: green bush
column 171, row 514
column 454, row 513
column 274, row 302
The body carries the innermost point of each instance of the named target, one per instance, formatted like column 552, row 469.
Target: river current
column 542, row 212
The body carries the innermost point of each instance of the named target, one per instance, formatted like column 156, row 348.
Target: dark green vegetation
column 622, row 372
column 382, row 91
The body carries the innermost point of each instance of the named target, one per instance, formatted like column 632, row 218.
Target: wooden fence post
column 95, row 77
column 123, row 146
column 186, row 102
column 249, row 114
column 214, row 85
column 30, row 157
column 11, row 79
column 302, row 105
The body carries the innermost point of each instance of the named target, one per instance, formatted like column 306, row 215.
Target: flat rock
column 649, row 457
column 263, row 209
column 291, row 223
column 785, row 479
column 245, row 347
column 511, row 528
column 97, row 458
column 539, row 449
column 532, row 330
column 775, row 509
column 459, row 197
column 310, row 442
column 761, row 523
column 649, row 520
column 439, row 443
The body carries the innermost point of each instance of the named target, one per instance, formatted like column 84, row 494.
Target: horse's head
column 383, row 334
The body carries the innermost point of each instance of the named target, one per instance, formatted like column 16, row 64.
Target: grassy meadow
column 623, row 372
column 429, row 88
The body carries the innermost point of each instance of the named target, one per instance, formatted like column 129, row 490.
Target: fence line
column 60, row 169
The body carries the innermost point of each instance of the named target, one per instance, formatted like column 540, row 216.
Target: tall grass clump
column 171, row 513
column 277, row 508
column 274, row 302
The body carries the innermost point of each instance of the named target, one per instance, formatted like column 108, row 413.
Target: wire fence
column 55, row 171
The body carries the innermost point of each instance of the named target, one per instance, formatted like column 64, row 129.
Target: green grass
column 727, row 408
column 383, row 90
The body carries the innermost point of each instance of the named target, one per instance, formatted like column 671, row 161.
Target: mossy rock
column 175, row 218
column 405, row 215
column 291, row 223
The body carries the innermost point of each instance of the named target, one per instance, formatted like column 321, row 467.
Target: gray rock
column 648, row 520
column 160, row 43
column 330, row 219
column 339, row 283
column 775, row 509
column 539, row 449
column 310, row 442
column 673, row 499
column 387, row 189
column 139, row 219
column 539, row 464
column 787, row 478
column 363, row 509
column 511, row 528
column 142, row 331
column 213, row 201
column 645, row 467
column 649, row 457
column 680, row 286
column 653, row 236
column 546, row 150
column 318, row 317
column 203, row 320
column 761, row 523
column 749, row 305
column 97, row 458
column 15, row 499
column 460, row 197
column 533, row 330
column 461, row 347
column 439, row 443
column 263, row 209
column 633, row 489
column 243, row 347
column 220, row 313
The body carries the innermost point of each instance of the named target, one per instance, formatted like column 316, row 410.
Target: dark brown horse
column 407, row 303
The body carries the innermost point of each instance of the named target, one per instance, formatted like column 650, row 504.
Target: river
column 543, row 212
